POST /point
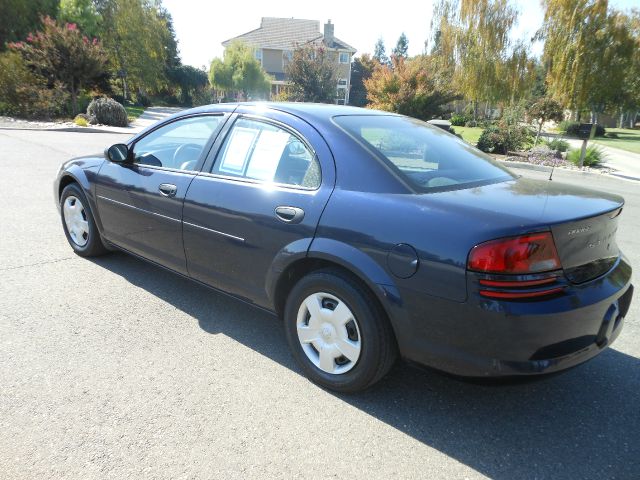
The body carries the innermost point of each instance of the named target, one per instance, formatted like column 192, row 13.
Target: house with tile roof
column 276, row 39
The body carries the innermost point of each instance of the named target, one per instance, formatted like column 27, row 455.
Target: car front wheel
column 337, row 332
column 78, row 223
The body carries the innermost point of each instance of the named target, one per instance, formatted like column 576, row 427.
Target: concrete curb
column 74, row 129
column 543, row 168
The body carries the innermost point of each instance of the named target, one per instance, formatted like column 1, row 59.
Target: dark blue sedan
column 373, row 235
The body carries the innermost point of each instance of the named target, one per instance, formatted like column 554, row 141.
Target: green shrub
column 25, row 94
column 81, row 121
column 470, row 123
column 458, row 120
column 593, row 156
column 108, row 112
column 565, row 125
column 571, row 128
column 502, row 139
column 558, row 145
column 143, row 99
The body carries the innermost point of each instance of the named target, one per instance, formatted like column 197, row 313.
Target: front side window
column 344, row 57
column 177, row 145
column 258, row 54
column 427, row 157
column 261, row 151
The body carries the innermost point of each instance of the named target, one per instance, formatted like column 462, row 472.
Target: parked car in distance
column 372, row 235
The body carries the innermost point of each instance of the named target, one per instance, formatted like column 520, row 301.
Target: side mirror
column 117, row 153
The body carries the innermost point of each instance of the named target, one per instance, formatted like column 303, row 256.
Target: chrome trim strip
column 138, row 209
column 214, row 231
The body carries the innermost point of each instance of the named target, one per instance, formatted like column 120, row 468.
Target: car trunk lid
column 583, row 221
column 587, row 247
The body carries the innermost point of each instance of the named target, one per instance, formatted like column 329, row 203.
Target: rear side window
column 427, row 157
column 261, row 151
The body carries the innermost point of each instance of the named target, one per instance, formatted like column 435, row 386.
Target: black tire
column 93, row 246
column 378, row 345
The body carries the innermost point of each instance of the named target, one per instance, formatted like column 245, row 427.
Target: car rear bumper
column 491, row 338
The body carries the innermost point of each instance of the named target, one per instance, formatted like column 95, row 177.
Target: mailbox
column 584, row 130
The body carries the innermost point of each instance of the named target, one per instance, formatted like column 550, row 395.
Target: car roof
column 311, row 112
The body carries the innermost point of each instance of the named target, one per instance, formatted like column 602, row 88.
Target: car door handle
column 168, row 189
column 289, row 214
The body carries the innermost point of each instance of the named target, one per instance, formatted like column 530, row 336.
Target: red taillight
column 520, row 294
column 515, row 255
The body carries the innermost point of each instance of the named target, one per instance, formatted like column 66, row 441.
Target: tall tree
column 312, row 75
column 629, row 100
column 587, row 51
column 18, row 18
column 361, row 70
column 380, row 53
column 516, row 74
column 474, row 35
column 135, row 35
column 239, row 71
column 62, row 54
column 81, row 12
column 402, row 47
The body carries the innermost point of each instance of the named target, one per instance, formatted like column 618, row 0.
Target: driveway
column 114, row 368
column 153, row 114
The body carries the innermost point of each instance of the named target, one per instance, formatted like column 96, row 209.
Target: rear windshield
column 427, row 157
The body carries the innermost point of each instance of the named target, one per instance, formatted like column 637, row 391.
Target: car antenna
column 553, row 167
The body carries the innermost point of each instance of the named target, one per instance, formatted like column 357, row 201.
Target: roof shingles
column 286, row 34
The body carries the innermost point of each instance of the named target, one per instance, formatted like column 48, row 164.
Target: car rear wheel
column 337, row 332
column 78, row 223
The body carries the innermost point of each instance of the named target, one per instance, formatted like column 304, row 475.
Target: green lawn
column 133, row 112
column 469, row 134
column 628, row 140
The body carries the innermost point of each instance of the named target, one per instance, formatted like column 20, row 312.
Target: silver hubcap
column 75, row 218
column 328, row 333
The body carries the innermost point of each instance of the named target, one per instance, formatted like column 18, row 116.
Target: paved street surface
column 114, row 368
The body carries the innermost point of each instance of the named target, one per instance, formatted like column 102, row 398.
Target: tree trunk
column 475, row 110
column 539, row 130
column 74, row 98
column 621, row 120
column 632, row 118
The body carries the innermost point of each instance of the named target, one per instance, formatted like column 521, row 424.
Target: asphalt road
column 114, row 368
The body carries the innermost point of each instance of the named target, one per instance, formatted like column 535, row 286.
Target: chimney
column 328, row 33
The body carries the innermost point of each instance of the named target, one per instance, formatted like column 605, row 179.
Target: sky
column 202, row 25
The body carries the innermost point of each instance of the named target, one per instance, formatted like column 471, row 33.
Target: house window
column 344, row 57
column 342, row 83
column 287, row 56
column 258, row 55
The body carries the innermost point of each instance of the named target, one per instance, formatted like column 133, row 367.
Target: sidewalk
column 625, row 164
